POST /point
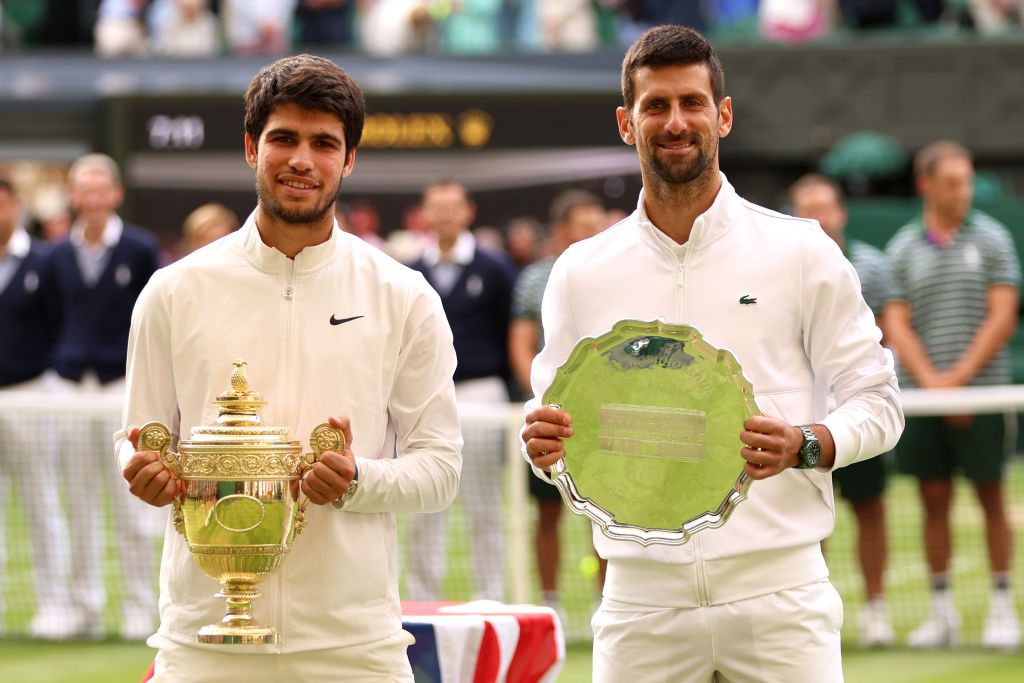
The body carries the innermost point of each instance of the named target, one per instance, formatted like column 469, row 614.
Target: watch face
column 812, row 454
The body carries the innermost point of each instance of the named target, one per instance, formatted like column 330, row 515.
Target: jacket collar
column 462, row 253
column 20, row 244
column 269, row 259
column 110, row 237
column 707, row 227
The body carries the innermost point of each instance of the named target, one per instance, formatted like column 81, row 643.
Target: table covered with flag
column 483, row 642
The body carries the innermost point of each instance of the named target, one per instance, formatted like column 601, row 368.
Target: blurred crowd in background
column 204, row 28
column 46, row 212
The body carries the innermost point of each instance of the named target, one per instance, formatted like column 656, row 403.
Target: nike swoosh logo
column 338, row 321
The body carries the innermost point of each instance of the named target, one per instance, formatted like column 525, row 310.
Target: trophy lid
column 239, row 416
column 238, row 405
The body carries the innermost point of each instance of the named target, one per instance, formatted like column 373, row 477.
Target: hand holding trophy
column 238, row 501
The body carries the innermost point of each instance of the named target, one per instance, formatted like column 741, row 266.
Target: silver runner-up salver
column 657, row 414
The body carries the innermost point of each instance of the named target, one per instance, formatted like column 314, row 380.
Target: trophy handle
column 155, row 436
column 324, row 437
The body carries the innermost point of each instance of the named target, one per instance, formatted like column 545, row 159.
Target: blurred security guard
column 476, row 290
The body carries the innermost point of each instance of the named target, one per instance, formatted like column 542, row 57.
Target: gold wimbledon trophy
column 239, row 506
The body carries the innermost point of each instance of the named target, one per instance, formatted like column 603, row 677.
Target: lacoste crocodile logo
column 338, row 321
column 746, row 300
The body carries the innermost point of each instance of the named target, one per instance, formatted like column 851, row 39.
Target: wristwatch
column 350, row 491
column 810, row 452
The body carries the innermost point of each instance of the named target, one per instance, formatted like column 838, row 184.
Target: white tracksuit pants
column 383, row 661
column 790, row 636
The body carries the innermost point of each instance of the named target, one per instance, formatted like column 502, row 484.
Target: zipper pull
column 288, row 292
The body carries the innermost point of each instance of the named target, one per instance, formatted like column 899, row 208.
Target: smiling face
column 300, row 160
column 675, row 123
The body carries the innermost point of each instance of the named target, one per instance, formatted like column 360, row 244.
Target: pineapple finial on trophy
column 239, row 380
column 239, row 405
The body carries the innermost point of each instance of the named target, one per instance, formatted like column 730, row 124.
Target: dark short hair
column 930, row 155
column 814, row 180
column 312, row 83
column 670, row 45
column 568, row 201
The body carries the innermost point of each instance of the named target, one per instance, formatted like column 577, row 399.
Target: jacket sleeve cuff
column 845, row 440
column 123, row 451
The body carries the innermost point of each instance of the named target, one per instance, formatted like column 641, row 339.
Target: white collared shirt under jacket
column 342, row 329
column 808, row 335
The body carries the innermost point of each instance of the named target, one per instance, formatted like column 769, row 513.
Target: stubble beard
column 682, row 174
column 312, row 216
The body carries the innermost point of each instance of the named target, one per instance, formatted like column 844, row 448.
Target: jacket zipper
column 286, row 358
column 702, row 578
column 680, row 288
column 703, row 592
column 289, row 288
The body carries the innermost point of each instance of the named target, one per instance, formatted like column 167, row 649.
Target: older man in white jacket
column 751, row 600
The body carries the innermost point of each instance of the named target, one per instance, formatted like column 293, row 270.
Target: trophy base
column 253, row 634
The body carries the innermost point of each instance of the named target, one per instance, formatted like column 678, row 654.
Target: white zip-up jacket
column 808, row 335
column 389, row 368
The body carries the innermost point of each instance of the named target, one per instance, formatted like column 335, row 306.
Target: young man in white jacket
column 751, row 600
column 330, row 327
